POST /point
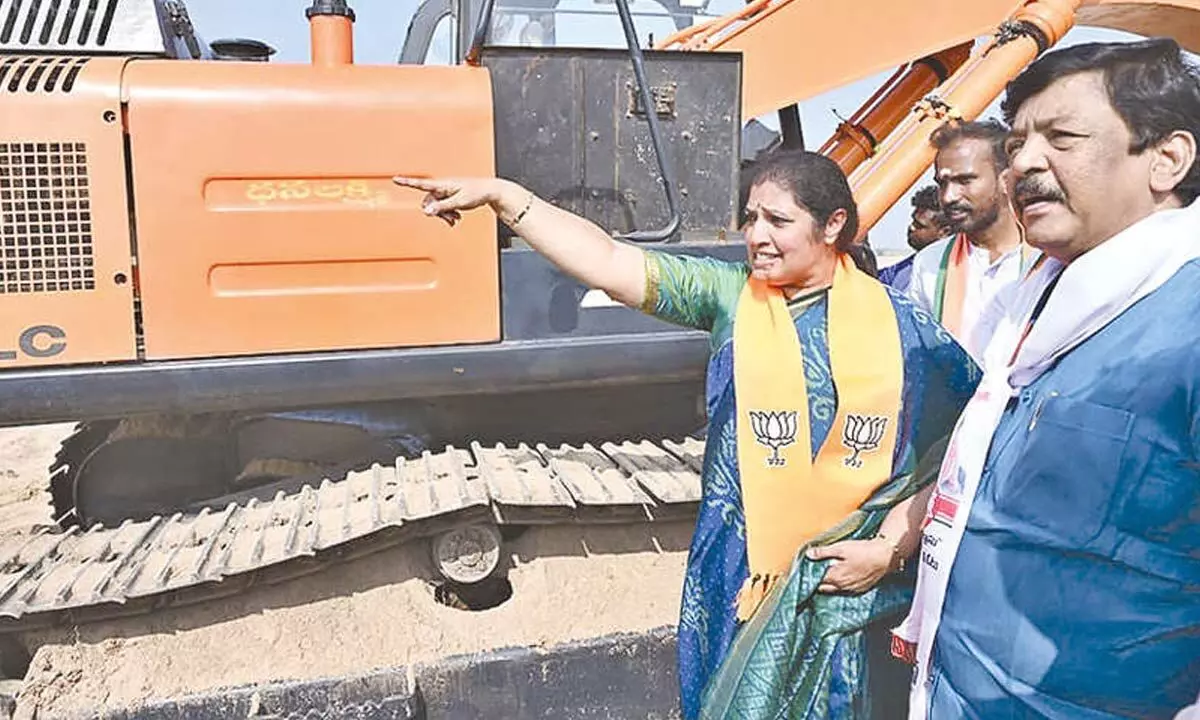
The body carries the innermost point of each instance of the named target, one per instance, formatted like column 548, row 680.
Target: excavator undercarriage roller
column 468, row 554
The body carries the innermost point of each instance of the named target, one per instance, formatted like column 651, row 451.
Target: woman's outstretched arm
column 576, row 245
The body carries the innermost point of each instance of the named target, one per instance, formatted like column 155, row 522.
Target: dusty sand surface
column 25, row 456
column 569, row 583
column 376, row 612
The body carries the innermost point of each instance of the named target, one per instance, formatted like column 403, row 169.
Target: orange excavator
column 272, row 354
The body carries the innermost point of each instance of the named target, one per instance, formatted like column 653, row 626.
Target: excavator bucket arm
column 849, row 44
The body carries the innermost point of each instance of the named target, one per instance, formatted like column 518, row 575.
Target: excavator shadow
column 615, row 539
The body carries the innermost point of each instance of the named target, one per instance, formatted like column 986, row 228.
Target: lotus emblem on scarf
column 774, row 430
column 862, row 433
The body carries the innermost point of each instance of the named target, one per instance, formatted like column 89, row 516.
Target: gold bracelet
column 521, row 215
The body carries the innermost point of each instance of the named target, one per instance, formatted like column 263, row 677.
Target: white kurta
column 985, row 280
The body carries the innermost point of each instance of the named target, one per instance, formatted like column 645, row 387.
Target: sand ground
column 569, row 583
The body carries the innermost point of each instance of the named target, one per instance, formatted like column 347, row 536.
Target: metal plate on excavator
column 569, row 126
column 138, row 566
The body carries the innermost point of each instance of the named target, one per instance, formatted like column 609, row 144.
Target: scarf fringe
column 754, row 590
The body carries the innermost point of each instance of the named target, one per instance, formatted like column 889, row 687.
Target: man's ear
column 1173, row 158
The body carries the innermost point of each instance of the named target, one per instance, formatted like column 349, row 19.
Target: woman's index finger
column 426, row 184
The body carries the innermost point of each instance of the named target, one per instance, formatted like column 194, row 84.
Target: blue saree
column 939, row 378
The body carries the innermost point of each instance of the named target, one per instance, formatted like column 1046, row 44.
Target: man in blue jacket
column 1060, row 562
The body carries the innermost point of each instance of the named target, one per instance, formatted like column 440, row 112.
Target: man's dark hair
column 1150, row 85
column 993, row 131
column 927, row 199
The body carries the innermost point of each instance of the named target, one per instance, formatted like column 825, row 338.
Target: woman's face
column 786, row 245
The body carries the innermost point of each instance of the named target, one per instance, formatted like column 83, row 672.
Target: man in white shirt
column 956, row 278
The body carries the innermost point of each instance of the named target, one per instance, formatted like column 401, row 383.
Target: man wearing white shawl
column 1060, row 560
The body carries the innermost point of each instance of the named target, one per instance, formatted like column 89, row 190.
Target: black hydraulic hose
column 789, row 125
column 485, row 21
column 668, row 174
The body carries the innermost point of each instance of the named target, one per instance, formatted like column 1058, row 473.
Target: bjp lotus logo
column 774, row 430
column 862, row 433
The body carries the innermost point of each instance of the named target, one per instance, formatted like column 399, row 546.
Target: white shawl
column 1093, row 290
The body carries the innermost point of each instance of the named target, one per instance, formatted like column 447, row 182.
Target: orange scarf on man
column 788, row 496
column 951, row 287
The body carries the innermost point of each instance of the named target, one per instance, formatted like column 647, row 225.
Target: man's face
column 925, row 228
column 968, row 184
column 1073, row 182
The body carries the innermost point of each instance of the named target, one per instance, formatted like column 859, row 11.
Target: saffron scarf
column 1090, row 292
column 951, row 286
column 788, row 497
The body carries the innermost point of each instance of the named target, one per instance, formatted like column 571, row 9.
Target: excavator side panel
column 266, row 216
column 66, row 290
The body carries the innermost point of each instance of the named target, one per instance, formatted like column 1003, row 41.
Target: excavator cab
column 442, row 31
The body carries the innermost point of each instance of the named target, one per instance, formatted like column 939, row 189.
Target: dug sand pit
column 569, row 583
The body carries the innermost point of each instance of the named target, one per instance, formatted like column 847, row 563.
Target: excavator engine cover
column 267, row 220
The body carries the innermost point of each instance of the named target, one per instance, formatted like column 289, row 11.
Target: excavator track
column 54, row 575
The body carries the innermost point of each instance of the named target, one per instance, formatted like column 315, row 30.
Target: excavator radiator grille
column 45, row 218
column 43, row 24
column 40, row 74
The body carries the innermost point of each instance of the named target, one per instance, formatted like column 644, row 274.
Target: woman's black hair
column 817, row 184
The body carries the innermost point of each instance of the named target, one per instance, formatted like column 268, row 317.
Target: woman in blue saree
column 782, row 640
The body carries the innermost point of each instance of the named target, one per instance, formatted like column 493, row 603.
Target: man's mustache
column 1030, row 188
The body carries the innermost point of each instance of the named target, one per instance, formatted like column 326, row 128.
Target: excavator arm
column 841, row 43
column 884, row 147
column 853, row 42
column 1178, row 19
